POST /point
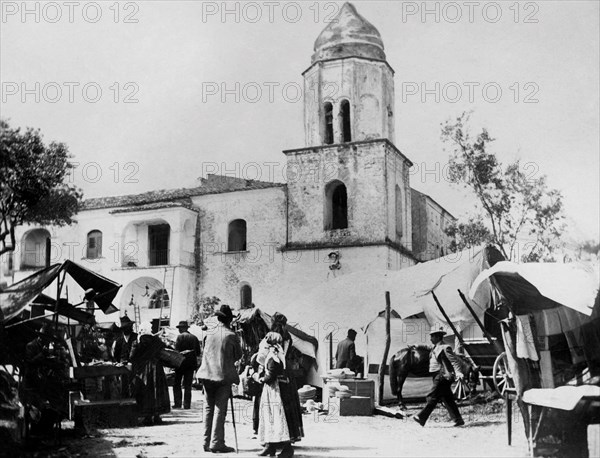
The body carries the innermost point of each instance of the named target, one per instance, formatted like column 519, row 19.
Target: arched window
column 328, row 112
column 345, row 125
column 36, row 249
column 399, row 215
column 236, row 240
column 159, row 299
column 94, row 245
column 336, row 206
column 246, row 297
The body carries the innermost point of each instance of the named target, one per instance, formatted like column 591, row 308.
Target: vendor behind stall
column 45, row 376
column 123, row 344
column 122, row 352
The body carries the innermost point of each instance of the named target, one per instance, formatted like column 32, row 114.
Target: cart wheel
column 461, row 390
column 502, row 376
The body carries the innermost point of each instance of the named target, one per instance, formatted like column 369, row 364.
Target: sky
column 154, row 94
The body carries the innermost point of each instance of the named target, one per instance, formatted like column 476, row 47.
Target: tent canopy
column 18, row 296
column 354, row 300
column 533, row 287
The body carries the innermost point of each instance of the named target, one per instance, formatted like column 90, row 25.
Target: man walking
column 188, row 345
column 218, row 372
column 443, row 369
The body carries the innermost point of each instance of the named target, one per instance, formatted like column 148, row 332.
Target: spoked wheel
column 503, row 380
column 461, row 390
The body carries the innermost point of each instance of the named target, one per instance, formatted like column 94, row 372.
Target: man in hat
column 123, row 344
column 122, row 349
column 188, row 345
column 345, row 355
column 444, row 369
column 222, row 349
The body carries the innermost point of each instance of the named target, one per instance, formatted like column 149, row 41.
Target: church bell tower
column 348, row 187
column 349, row 87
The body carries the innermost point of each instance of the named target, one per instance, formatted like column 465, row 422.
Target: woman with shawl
column 273, row 429
column 290, row 392
column 150, row 383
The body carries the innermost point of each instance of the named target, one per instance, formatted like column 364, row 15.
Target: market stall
column 552, row 339
column 58, row 357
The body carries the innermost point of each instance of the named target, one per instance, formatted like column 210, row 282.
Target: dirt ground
column 325, row 436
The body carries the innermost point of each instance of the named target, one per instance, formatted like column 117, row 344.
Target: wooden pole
column 487, row 335
column 383, row 364
column 456, row 333
column 331, row 350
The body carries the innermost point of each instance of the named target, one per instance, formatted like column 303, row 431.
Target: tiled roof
column 155, row 206
column 213, row 184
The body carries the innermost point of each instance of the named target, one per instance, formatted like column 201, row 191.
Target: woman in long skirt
column 289, row 391
column 274, row 425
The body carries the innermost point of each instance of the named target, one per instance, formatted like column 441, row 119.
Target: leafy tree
column 471, row 233
column 204, row 308
column 511, row 205
column 32, row 187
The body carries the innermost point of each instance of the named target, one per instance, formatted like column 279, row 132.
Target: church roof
column 213, row 184
column 349, row 35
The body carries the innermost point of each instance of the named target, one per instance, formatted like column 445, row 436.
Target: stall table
column 108, row 411
column 579, row 406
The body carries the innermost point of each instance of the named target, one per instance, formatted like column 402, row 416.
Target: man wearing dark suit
column 218, row 372
column 189, row 345
column 122, row 352
column 345, row 355
column 123, row 344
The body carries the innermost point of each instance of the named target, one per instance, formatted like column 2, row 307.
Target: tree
column 204, row 308
column 514, row 206
column 32, row 187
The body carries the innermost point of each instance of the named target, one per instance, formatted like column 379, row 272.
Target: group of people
column 148, row 383
column 278, row 420
column 442, row 367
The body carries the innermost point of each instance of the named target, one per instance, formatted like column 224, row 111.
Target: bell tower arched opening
column 345, row 124
column 336, row 206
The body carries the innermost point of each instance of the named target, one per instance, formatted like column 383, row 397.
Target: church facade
column 240, row 240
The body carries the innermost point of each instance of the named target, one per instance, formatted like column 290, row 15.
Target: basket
column 171, row 358
column 306, row 392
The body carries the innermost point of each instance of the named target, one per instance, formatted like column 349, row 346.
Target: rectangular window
column 158, row 245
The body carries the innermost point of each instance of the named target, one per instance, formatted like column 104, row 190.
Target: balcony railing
column 158, row 257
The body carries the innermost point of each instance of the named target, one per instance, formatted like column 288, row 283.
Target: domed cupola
column 349, row 35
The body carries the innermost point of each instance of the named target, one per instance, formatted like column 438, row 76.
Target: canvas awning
column 19, row 295
column 534, row 287
column 64, row 308
column 353, row 300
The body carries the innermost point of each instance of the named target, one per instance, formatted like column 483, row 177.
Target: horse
column 414, row 360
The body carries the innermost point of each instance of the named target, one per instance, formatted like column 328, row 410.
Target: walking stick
column 233, row 421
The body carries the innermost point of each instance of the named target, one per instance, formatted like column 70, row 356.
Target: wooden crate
column 353, row 406
column 105, row 414
column 358, row 387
